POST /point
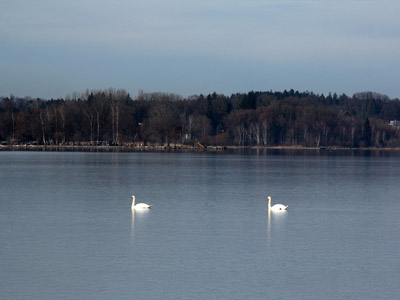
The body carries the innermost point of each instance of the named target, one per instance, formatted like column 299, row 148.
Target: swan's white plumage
column 139, row 205
column 276, row 207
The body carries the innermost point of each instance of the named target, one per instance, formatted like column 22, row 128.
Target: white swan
column 139, row 205
column 276, row 207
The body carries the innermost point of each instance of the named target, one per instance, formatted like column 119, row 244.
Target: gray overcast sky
column 52, row 48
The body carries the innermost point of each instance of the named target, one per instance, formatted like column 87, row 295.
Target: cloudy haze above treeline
column 52, row 48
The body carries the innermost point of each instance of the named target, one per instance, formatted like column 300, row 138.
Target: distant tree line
column 287, row 118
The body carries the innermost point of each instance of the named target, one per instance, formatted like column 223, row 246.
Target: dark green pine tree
column 367, row 133
column 248, row 101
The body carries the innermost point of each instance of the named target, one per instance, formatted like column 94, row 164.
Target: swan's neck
column 133, row 201
column 269, row 203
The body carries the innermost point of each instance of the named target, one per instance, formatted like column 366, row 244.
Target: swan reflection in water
column 275, row 218
column 137, row 208
column 136, row 213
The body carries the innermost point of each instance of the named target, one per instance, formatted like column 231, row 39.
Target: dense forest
column 113, row 117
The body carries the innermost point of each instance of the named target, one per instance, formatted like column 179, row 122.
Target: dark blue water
column 67, row 230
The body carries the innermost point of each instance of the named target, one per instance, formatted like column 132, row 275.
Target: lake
column 67, row 230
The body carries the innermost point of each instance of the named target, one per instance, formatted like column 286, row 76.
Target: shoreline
column 178, row 148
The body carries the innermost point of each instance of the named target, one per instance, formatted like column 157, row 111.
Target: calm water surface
column 67, row 230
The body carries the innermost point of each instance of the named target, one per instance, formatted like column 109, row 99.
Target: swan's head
column 132, row 197
column 269, row 198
